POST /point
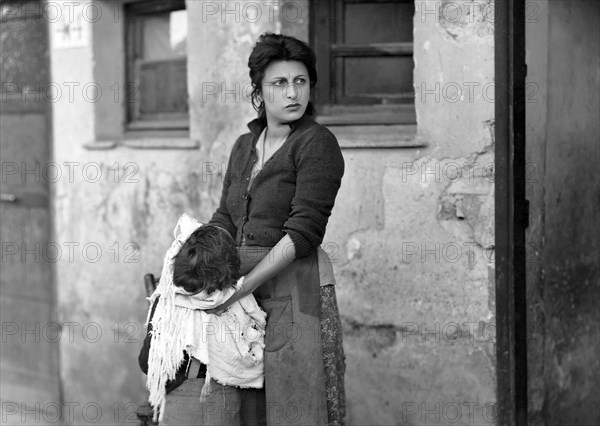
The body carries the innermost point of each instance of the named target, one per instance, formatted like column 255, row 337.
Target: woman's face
column 285, row 91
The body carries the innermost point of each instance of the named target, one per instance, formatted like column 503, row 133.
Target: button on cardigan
column 293, row 193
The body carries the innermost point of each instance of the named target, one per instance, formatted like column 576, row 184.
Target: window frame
column 146, row 125
column 326, row 26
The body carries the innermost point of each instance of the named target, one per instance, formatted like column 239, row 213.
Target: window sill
column 377, row 136
column 366, row 115
column 161, row 143
column 146, row 143
column 100, row 145
column 160, row 122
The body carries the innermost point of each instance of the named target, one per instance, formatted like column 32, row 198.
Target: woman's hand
column 232, row 299
column 218, row 310
column 224, row 306
column 273, row 263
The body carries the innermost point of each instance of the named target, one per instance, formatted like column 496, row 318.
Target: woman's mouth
column 293, row 106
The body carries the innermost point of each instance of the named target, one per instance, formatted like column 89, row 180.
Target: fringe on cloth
column 179, row 322
column 168, row 338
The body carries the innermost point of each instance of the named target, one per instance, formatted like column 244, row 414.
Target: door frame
column 511, row 212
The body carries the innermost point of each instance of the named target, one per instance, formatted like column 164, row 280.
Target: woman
column 278, row 192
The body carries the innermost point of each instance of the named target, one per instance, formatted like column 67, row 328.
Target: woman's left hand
column 218, row 310
column 234, row 298
column 225, row 305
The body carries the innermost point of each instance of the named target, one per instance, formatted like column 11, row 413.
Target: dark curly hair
column 278, row 47
column 208, row 261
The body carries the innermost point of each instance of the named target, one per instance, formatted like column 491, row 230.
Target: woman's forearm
column 273, row 263
column 280, row 256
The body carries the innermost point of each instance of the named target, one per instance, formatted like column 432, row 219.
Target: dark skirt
column 286, row 376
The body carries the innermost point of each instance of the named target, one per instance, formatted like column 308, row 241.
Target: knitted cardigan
column 293, row 193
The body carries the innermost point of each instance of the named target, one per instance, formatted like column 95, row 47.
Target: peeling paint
column 141, row 214
column 353, row 249
column 467, row 19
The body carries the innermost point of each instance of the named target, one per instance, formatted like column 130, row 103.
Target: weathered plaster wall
column 128, row 213
column 219, row 87
column 563, row 271
column 413, row 230
column 411, row 234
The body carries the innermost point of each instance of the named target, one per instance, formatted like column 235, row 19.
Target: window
column 364, row 61
column 156, row 43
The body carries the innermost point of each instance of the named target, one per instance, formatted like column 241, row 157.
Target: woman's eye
column 278, row 83
column 300, row 81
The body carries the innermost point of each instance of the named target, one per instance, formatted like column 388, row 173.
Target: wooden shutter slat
column 373, row 49
column 155, row 6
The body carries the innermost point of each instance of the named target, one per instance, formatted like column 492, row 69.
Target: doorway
column 547, row 212
column 29, row 354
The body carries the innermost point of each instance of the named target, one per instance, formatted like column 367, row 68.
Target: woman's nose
column 291, row 92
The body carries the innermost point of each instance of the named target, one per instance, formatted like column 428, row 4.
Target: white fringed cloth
column 231, row 345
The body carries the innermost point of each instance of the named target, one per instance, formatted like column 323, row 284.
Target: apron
column 294, row 370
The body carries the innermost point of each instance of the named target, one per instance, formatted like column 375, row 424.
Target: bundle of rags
column 231, row 344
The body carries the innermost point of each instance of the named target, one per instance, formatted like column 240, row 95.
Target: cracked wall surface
column 414, row 234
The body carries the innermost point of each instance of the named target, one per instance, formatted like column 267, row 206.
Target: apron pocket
column 280, row 326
